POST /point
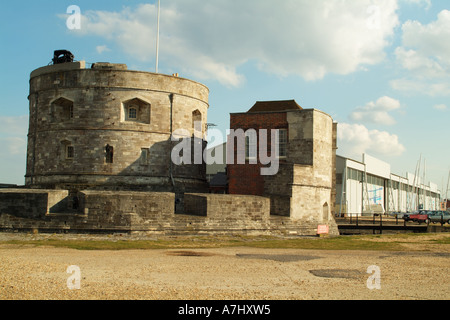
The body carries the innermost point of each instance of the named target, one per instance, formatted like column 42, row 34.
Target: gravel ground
column 28, row 272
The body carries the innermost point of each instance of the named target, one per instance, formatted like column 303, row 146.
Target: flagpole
column 157, row 36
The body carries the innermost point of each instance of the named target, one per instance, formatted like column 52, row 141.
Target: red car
column 421, row 216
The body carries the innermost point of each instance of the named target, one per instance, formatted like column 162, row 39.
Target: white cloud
column 13, row 126
column 213, row 39
column 13, row 134
column 440, row 107
column 101, row 49
column 428, row 38
column 423, row 66
column 13, row 146
column 377, row 112
column 432, row 88
column 423, row 3
column 13, row 143
column 425, row 54
column 356, row 139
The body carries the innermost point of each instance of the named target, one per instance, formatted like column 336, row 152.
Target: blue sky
column 380, row 68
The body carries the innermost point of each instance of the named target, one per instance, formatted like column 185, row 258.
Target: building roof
column 282, row 105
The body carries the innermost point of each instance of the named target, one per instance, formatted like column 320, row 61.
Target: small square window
column 132, row 113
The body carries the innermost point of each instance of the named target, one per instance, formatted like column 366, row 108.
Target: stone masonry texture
column 87, row 109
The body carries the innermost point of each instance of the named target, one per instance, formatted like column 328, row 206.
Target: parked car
column 397, row 214
column 439, row 217
column 418, row 216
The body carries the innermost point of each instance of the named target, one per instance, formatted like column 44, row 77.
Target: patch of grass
column 369, row 242
column 94, row 244
column 441, row 241
column 341, row 243
column 436, row 238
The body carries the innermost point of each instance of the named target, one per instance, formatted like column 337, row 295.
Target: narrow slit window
column 71, row 112
column 282, row 143
column 109, row 154
column 70, row 152
column 145, row 155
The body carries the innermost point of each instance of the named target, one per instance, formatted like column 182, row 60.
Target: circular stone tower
column 106, row 127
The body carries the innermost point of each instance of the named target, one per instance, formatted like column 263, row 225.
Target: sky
column 380, row 68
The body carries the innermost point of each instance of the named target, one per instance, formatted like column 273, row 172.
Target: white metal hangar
column 368, row 186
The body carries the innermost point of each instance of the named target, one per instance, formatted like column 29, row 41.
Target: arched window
column 325, row 210
column 136, row 110
column 61, row 110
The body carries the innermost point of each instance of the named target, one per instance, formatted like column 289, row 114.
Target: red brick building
column 247, row 179
column 304, row 183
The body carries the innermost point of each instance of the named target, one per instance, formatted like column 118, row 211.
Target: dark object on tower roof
column 62, row 56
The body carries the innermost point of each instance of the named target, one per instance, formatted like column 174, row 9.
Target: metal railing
column 376, row 222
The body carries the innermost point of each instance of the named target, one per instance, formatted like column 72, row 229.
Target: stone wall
column 238, row 208
column 333, row 167
column 301, row 137
column 149, row 213
column 125, row 209
column 32, row 203
column 279, row 189
column 196, row 205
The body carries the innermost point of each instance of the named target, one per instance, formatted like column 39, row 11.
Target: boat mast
column 157, row 35
column 446, row 191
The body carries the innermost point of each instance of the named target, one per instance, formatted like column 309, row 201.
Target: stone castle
column 99, row 160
